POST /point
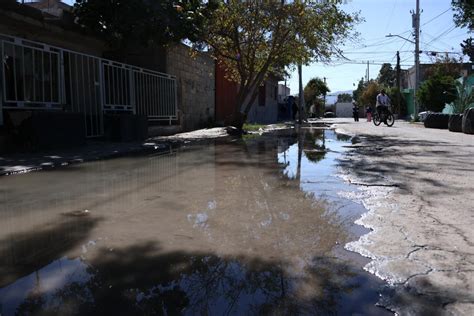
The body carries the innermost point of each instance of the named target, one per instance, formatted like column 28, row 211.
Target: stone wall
column 196, row 85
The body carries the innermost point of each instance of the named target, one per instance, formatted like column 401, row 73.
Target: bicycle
column 386, row 116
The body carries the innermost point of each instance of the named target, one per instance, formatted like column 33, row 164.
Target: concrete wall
column 52, row 7
column 268, row 113
column 344, row 109
column 196, row 84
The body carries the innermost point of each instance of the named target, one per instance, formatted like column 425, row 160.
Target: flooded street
column 234, row 227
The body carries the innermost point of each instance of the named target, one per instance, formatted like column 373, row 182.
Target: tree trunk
column 238, row 118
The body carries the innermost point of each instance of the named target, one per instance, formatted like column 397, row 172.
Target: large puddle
column 241, row 227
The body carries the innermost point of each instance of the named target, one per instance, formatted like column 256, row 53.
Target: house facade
column 51, row 68
column 408, row 82
column 264, row 109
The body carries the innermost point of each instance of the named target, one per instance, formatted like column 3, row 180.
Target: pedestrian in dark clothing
column 355, row 112
column 294, row 107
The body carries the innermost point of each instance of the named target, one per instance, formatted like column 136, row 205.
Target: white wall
column 344, row 109
column 267, row 114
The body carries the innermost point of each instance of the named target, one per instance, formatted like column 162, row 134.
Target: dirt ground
column 418, row 185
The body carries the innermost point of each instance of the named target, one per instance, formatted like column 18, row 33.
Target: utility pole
column 398, row 82
column 368, row 74
column 416, row 25
column 300, row 95
column 324, row 106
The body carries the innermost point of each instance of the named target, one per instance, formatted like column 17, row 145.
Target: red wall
column 226, row 95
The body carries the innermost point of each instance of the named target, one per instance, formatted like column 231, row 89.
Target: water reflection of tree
column 139, row 280
column 143, row 279
column 314, row 144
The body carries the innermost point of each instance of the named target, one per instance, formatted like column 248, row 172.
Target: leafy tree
column 393, row 94
column 463, row 13
column 386, row 75
column 344, row 97
column 314, row 89
column 468, row 48
column 435, row 92
column 143, row 22
column 446, row 66
column 369, row 94
column 357, row 93
column 464, row 17
column 252, row 39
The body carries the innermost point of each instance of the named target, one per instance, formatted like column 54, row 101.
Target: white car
column 423, row 115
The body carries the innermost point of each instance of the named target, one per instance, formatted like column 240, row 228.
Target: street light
column 395, row 35
column 417, row 66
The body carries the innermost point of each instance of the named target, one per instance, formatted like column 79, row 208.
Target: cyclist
column 383, row 101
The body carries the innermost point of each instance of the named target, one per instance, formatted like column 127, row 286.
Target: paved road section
column 418, row 185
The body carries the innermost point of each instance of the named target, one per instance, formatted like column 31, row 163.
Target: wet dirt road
column 227, row 227
column 418, row 186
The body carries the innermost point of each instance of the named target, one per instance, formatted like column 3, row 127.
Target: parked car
column 329, row 114
column 423, row 115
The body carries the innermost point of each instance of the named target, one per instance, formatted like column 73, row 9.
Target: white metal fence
column 155, row 94
column 30, row 75
column 39, row 76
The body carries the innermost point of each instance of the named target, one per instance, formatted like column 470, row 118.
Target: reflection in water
column 243, row 227
column 175, row 282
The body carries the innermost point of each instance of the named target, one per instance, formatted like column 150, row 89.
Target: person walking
column 368, row 113
column 355, row 112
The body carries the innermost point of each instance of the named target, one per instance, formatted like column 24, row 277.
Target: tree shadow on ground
column 405, row 170
column 143, row 279
column 22, row 253
column 406, row 300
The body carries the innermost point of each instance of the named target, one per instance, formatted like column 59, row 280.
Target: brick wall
column 196, row 84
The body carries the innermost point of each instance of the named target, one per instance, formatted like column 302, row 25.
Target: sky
column 382, row 17
column 438, row 33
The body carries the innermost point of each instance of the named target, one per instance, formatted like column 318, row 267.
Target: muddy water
column 253, row 226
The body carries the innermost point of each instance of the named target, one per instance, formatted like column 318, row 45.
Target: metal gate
column 39, row 76
column 82, row 90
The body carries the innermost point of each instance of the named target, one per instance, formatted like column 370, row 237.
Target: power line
column 384, row 41
column 378, row 52
column 365, row 63
column 437, row 40
column 400, row 50
column 443, row 34
column 448, row 9
column 391, row 15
